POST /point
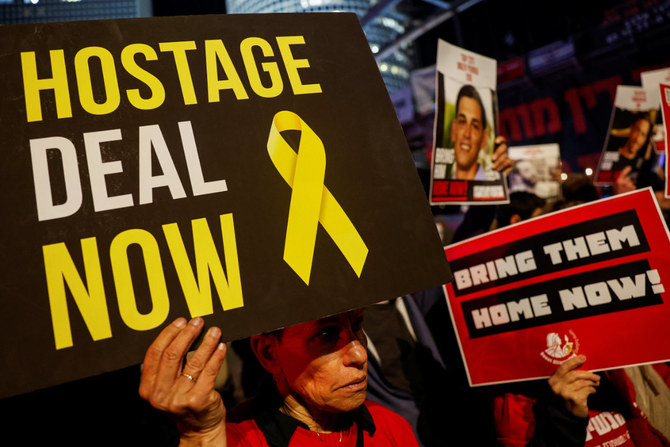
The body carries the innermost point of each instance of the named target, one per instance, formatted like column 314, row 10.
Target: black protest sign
column 248, row 169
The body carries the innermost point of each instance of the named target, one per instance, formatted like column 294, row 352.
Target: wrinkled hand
column 194, row 405
column 574, row 386
column 623, row 182
column 501, row 162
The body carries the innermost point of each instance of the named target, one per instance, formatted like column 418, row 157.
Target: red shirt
column 390, row 430
column 607, row 429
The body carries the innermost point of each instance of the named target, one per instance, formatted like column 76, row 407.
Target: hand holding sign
column 501, row 161
column 468, row 158
column 187, row 394
column 150, row 194
column 574, row 386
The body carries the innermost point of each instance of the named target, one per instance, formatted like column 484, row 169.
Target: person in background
column 523, row 205
column 578, row 188
column 415, row 369
column 414, row 361
column 575, row 407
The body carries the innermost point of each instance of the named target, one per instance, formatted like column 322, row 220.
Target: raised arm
column 185, row 389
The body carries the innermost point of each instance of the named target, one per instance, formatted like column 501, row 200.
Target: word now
column 580, row 297
column 88, row 291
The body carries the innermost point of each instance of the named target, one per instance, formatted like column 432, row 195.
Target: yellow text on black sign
column 276, row 56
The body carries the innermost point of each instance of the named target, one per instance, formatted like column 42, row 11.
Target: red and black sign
column 589, row 280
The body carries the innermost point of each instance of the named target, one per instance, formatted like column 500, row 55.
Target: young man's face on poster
column 469, row 136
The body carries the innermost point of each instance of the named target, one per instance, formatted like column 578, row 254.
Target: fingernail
column 214, row 332
column 180, row 322
column 196, row 322
column 221, row 346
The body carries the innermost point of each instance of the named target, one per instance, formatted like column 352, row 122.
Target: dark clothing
column 477, row 220
column 394, row 343
column 439, row 404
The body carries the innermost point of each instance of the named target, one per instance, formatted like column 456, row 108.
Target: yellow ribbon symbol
column 311, row 202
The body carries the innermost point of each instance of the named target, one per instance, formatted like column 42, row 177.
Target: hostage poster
column 651, row 80
column 247, row 169
column 465, row 130
column 527, row 297
column 537, row 169
column 629, row 137
column 664, row 90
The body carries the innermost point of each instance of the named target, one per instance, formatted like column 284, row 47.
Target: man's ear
column 514, row 218
column 265, row 348
column 485, row 138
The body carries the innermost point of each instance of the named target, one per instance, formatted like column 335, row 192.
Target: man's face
column 467, row 132
column 324, row 361
column 638, row 135
column 527, row 170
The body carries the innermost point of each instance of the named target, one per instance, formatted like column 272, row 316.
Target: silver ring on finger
column 189, row 377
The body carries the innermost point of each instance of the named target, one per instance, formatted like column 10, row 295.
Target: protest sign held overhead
column 651, row 80
column 465, row 130
column 527, row 297
column 247, row 169
column 628, row 140
column 665, row 112
column 537, row 169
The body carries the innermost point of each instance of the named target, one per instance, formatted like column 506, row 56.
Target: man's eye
column 331, row 333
